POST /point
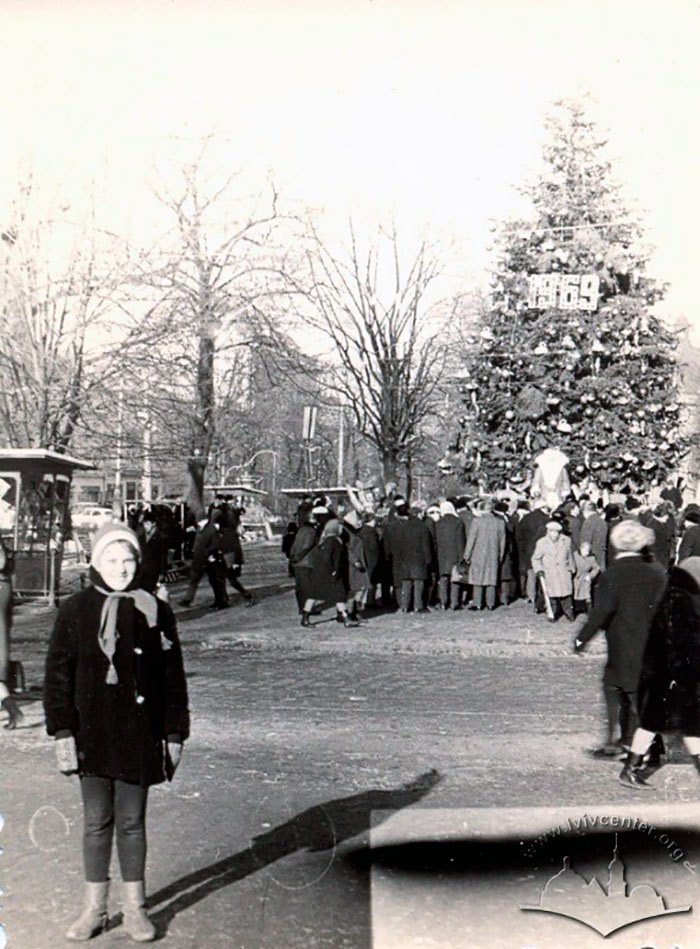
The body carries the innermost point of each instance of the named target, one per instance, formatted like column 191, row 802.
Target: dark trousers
column 450, row 592
column 412, row 591
column 509, row 591
column 478, row 596
column 622, row 713
column 216, row 582
column 233, row 572
column 562, row 604
column 107, row 804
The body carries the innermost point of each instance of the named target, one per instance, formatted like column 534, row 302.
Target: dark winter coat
column 594, row 531
column 664, row 538
column 154, row 558
column 509, row 563
column 304, row 542
column 627, row 596
column 207, row 544
column 358, row 578
column 408, row 544
column 328, row 576
column 119, row 729
column 373, row 552
column 527, row 532
column 690, row 543
column 450, row 538
column 484, row 549
column 231, row 537
column 669, row 686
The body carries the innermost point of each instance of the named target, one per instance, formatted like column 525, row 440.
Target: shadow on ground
column 318, row 828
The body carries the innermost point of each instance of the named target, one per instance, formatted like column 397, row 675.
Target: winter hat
column 630, row 536
column 446, row 507
column 554, row 526
column 108, row 534
column 319, row 509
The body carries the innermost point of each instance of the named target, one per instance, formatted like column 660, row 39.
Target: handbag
column 15, row 677
column 459, row 572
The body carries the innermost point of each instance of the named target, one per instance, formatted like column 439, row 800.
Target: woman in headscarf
column 669, row 684
column 115, row 700
column 450, row 538
column 328, row 579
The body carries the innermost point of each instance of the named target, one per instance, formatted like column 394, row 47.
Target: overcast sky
column 430, row 110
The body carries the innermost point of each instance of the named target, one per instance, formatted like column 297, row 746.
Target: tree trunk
column 390, row 465
column 195, row 489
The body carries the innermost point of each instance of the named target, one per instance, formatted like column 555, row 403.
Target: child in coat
column 587, row 570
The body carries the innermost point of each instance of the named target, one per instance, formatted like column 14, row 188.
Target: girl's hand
column 66, row 755
column 174, row 756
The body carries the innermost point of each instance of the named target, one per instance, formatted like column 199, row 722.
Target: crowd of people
column 473, row 553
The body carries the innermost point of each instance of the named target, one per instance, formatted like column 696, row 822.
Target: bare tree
column 220, row 266
column 386, row 330
column 59, row 278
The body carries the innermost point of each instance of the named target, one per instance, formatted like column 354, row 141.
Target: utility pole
column 341, row 444
column 120, row 435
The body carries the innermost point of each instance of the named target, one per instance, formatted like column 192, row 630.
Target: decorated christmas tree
column 570, row 354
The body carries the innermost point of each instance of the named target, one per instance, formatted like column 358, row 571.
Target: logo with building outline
column 605, row 908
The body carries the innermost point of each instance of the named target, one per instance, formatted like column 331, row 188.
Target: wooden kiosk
column 34, row 514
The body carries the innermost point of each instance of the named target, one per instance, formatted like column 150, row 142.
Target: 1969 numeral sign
column 563, row 291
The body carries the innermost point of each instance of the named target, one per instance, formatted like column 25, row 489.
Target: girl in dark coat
column 115, row 699
column 669, row 685
column 328, row 581
column 300, row 560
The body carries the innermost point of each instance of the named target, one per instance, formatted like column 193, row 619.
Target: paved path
column 299, row 735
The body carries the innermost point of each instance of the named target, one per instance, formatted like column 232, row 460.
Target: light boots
column 93, row 919
column 136, row 922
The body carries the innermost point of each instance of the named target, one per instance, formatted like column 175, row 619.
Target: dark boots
column 632, row 775
column 305, row 618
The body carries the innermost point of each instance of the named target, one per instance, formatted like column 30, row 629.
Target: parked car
column 90, row 516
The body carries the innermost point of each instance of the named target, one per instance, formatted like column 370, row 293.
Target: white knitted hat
column 108, row 534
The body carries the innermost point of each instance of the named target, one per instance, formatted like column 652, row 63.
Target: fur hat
column 630, row 536
column 108, row 534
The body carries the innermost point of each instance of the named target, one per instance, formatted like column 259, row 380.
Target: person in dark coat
column 232, row 549
column 372, row 547
column 508, row 572
column 450, row 538
column 115, row 700
column 669, row 684
column 288, row 541
column 358, row 576
column 662, row 523
column 432, row 595
column 208, row 559
column 594, row 532
column 328, row 580
column 154, row 552
column 409, row 546
column 299, row 559
column 527, row 533
column 628, row 595
column 690, row 538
